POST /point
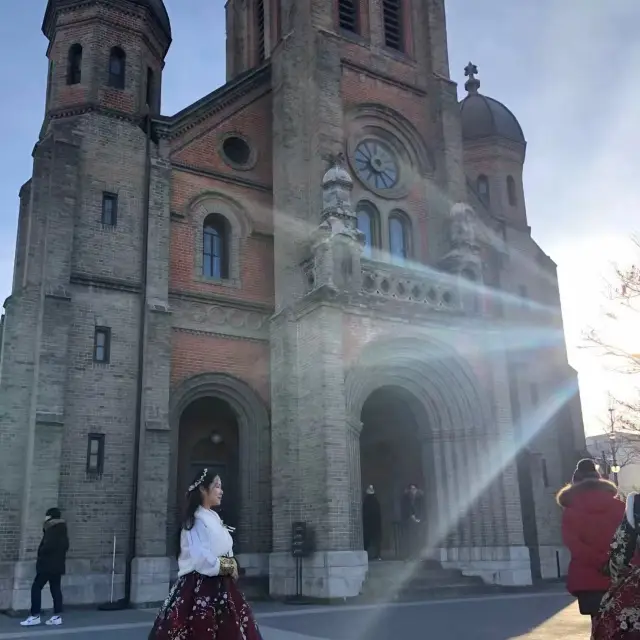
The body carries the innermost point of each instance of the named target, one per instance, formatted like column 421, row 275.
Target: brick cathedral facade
column 317, row 277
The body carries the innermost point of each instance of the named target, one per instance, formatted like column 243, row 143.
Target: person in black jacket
column 50, row 567
column 371, row 523
column 412, row 513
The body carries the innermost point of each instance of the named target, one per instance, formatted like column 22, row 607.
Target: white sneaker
column 31, row 621
column 54, row 621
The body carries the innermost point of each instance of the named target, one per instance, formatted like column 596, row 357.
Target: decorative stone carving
column 464, row 259
column 225, row 320
column 336, row 245
column 463, row 227
column 403, row 285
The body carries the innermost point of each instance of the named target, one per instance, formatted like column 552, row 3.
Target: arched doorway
column 392, row 456
column 209, row 439
column 220, row 422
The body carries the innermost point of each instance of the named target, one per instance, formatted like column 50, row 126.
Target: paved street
column 525, row 617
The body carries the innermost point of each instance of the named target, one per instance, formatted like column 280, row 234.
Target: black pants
column 40, row 581
column 589, row 602
column 411, row 540
column 372, row 543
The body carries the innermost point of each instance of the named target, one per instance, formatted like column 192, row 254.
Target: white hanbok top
column 202, row 546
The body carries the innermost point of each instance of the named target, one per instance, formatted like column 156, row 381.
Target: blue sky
column 566, row 68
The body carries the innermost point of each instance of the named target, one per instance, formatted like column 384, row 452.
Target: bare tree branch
column 621, row 294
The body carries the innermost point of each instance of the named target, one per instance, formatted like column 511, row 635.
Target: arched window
column 151, row 88
column 74, row 64
column 260, row 42
column 348, row 15
column 393, row 27
column 215, row 249
column 511, row 191
column 117, row 64
column 368, row 223
column 482, row 186
column 399, row 237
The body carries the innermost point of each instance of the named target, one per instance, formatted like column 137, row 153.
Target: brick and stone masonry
column 330, row 231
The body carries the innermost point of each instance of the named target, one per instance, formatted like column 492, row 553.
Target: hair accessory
column 199, row 481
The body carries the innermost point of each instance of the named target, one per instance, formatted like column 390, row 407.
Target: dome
column 484, row 117
column 156, row 7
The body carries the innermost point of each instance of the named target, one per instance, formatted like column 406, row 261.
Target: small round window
column 237, row 150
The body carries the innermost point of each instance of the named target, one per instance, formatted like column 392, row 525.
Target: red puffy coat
column 592, row 513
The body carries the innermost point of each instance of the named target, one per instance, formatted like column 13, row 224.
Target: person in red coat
column 592, row 511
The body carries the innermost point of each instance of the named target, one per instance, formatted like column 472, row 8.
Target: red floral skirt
column 202, row 607
column 619, row 615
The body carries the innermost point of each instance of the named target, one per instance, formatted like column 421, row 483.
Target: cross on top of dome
column 472, row 84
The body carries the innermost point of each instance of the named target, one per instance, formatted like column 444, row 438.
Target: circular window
column 376, row 164
column 237, row 150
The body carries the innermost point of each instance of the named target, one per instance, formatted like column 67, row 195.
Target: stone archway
column 209, row 438
column 452, row 423
column 392, row 457
column 242, row 421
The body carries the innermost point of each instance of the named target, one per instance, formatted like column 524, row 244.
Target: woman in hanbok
column 205, row 602
column 619, row 615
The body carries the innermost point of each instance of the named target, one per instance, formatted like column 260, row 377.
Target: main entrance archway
column 435, row 409
column 392, row 452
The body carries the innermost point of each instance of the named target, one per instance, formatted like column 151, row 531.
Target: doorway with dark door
column 209, row 440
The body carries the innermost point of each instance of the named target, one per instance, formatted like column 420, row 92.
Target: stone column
column 355, row 482
column 438, row 529
column 151, row 567
column 320, row 467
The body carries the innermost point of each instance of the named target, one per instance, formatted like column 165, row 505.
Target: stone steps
column 399, row 580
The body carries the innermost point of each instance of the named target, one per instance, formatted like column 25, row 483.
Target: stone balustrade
column 428, row 288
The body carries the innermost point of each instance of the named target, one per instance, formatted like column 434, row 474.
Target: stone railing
column 430, row 289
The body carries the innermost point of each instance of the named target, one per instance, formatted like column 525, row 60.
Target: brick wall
column 194, row 353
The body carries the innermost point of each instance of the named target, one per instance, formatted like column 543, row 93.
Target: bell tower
column 94, row 61
column 87, row 273
column 348, row 77
column 253, row 30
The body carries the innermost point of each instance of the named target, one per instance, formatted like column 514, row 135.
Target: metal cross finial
column 472, row 84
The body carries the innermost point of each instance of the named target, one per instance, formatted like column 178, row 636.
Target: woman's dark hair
column 586, row 469
column 204, row 479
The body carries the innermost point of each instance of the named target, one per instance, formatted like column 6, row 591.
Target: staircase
column 389, row 580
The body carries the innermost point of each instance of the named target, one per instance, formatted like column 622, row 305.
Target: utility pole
column 615, row 467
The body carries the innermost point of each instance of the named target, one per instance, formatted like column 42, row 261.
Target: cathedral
column 316, row 278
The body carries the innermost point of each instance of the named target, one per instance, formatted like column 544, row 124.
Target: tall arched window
column 74, row 64
column 368, row 223
column 260, row 41
column 117, row 65
column 399, row 237
column 482, row 186
column 151, row 88
column 393, row 27
column 215, row 249
column 348, row 15
column 511, row 191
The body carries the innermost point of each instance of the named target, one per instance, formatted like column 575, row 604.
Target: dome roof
column 484, row 117
column 156, row 7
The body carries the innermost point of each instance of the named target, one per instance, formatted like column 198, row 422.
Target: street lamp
column 615, row 467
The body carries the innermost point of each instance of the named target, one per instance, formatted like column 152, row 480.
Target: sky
column 566, row 68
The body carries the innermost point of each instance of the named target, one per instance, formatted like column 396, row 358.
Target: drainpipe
column 139, row 435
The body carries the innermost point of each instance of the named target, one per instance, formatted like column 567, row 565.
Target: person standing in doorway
column 50, row 567
column 371, row 523
column 412, row 513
